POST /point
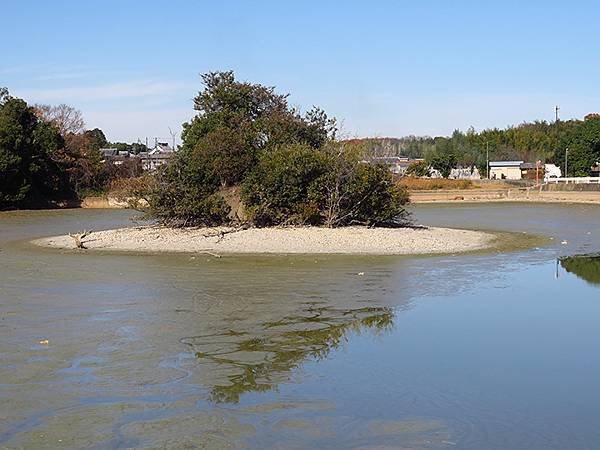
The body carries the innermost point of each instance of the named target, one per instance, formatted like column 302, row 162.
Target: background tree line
column 529, row 142
column 47, row 155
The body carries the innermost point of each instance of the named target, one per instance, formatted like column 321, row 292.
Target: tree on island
column 288, row 166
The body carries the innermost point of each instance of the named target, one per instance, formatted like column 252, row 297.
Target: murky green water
column 473, row 351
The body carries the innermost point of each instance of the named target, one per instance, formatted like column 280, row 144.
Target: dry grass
column 428, row 184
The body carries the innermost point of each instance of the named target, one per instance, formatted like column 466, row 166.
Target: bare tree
column 67, row 119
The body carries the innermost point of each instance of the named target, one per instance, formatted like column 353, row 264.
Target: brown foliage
column 412, row 183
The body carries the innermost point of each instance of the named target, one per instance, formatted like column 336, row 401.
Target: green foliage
column 96, row 138
column 277, row 190
column 443, row 158
column 28, row 173
column 529, row 142
column 584, row 147
column 239, row 126
column 134, row 147
column 185, row 193
column 238, row 120
column 289, row 166
column 418, row 169
column 586, row 267
column 297, row 184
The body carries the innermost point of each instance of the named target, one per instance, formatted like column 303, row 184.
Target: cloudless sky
column 383, row 68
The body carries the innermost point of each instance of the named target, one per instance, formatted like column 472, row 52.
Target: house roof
column 529, row 166
column 109, row 151
column 506, row 163
column 389, row 159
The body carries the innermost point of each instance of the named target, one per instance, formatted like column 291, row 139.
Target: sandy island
column 347, row 240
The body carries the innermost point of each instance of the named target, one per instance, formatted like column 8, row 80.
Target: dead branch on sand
column 78, row 238
column 221, row 233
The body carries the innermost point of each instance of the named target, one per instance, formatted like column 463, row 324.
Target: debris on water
column 44, row 342
column 360, row 274
column 564, row 242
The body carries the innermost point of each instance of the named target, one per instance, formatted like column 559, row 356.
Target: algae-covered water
column 485, row 350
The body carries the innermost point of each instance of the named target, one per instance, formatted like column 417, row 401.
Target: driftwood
column 221, row 233
column 206, row 252
column 78, row 238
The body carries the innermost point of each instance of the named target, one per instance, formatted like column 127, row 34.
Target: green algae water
column 487, row 350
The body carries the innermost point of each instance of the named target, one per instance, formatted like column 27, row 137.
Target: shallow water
column 487, row 350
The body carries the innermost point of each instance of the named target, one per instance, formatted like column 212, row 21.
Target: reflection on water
column 258, row 363
column 586, row 267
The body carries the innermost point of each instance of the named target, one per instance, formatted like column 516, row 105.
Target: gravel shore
column 347, row 240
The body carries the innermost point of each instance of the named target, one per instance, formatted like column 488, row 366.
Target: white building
column 505, row 170
column 156, row 157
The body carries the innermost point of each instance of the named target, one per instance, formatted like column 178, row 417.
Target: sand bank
column 348, row 240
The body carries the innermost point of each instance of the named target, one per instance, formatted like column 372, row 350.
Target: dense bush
column 418, row 169
column 301, row 185
column 236, row 121
column 185, row 193
column 277, row 190
column 289, row 166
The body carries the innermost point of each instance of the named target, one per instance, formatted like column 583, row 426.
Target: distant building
column 505, row 170
column 109, row 152
column 156, row 157
column 396, row 164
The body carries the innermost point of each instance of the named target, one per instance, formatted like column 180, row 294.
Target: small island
column 255, row 175
column 277, row 240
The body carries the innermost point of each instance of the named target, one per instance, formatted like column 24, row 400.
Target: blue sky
column 384, row 68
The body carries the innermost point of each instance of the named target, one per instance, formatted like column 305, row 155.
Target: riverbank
column 296, row 240
column 504, row 195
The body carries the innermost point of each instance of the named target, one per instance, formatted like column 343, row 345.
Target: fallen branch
column 214, row 255
column 78, row 238
column 221, row 233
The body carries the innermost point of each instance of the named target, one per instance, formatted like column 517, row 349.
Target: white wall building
column 505, row 170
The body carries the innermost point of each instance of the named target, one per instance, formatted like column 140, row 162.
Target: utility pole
column 566, row 162
column 487, row 160
column 556, row 110
column 173, row 136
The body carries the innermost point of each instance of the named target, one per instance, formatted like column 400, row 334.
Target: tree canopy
column 28, row 171
column 289, row 166
column 46, row 155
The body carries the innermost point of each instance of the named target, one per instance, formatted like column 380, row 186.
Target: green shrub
column 300, row 185
column 185, row 194
column 276, row 191
column 418, row 169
